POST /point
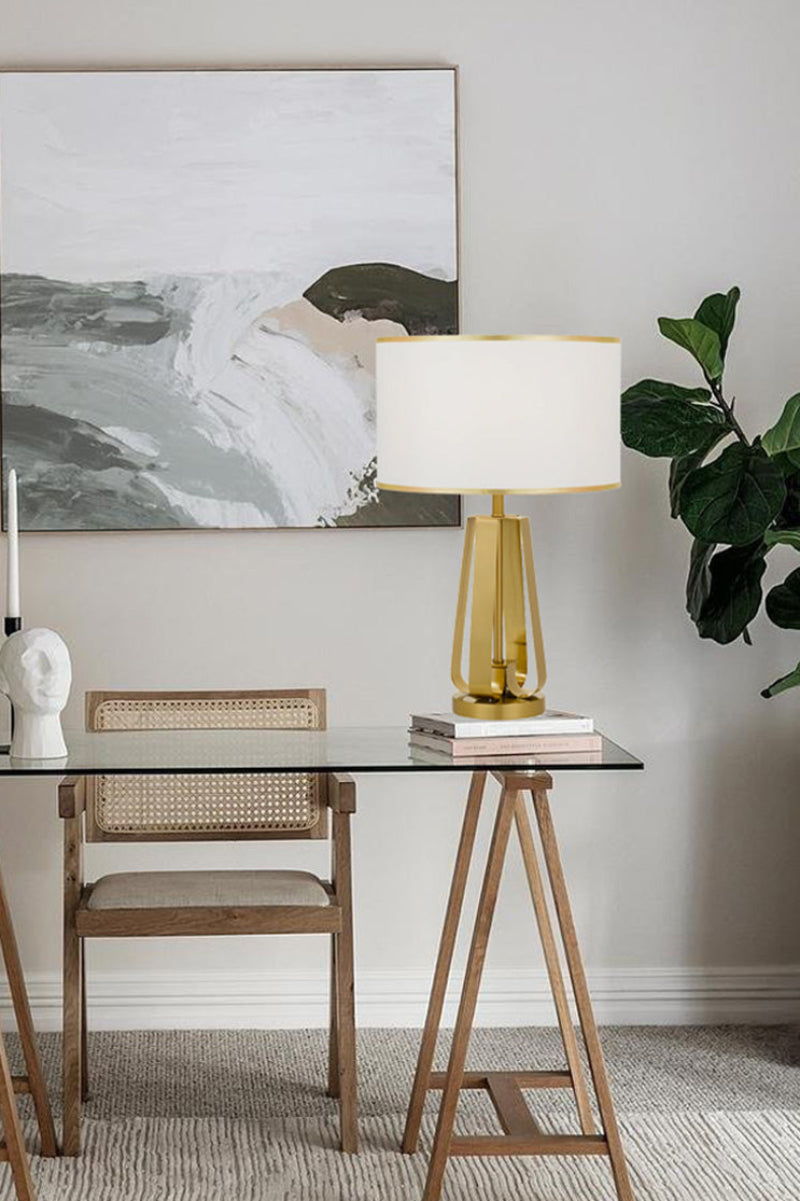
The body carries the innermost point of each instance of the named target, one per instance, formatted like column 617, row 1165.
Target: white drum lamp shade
column 498, row 414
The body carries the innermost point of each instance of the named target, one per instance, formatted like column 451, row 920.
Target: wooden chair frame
column 336, row 793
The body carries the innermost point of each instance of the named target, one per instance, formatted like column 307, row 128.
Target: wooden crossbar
column 196, row 920
column 21, row 1084
column 522, row 1079
column 510, row 1106
column 542, row 1144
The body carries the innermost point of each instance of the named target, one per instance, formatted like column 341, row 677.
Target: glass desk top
column 341, row 748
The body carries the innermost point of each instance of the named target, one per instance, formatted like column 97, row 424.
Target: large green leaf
column 718, row 312
column 681, row 468
column 656, row 389
column 701, row 342
column 791, row 680
column 783, row 602
column 787, row 465
column 786, row 537
column 783, row 438
column 732, row 586
column 698, row 581
column 734, row 497
column 667, row 429
column 789, row 516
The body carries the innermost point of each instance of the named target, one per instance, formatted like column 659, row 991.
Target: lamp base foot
column 508, row 708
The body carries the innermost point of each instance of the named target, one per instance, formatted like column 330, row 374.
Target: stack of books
column 550, row 733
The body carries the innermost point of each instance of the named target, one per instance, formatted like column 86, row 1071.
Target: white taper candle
column 12, row 577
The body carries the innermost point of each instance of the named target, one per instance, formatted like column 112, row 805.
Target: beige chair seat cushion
column 168, row 890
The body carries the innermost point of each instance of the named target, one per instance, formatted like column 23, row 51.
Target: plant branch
column 727, row 409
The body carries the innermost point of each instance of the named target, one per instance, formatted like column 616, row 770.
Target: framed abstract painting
column 194, row 267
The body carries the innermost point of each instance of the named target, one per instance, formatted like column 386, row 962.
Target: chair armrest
column 341, row 792
column 71, row 796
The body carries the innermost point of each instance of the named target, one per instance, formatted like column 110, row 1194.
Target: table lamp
column 498, row 414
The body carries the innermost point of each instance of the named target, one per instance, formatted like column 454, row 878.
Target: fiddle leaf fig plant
column 738, row 496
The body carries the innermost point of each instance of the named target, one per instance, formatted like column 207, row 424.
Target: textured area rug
column 706, row 1115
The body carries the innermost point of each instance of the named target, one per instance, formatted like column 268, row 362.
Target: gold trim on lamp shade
column 497, row 338
column 498, row 491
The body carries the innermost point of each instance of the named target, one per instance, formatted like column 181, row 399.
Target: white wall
column 619, row 161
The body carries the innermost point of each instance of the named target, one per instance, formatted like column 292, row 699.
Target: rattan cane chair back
column 206, row 807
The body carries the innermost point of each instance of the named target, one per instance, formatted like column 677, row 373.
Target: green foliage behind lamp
column 738, row 496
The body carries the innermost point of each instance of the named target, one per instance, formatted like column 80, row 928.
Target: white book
column 450, row 725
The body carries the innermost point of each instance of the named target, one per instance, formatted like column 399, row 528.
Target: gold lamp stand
column 500, row 547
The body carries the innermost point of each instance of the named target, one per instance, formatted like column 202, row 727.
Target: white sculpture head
column 35, row 671
column 36, row 674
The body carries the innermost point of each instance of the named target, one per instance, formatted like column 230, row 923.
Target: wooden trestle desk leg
column 556, row 979
column 522, row 1135
column 444, row 962
column 454, row 1077
column 583, row 1000
column 13, row 1148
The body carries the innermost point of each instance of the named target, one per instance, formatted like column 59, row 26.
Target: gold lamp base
column 508, row 709
column 498, row 560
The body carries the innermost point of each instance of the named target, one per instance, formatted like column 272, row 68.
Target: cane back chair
column 201, row 808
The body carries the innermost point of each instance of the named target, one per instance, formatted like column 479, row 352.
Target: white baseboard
column 293, row 1000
